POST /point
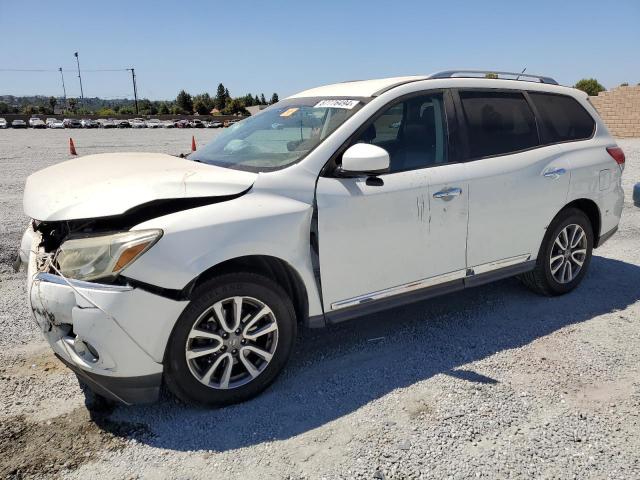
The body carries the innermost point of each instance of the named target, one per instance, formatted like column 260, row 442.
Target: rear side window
column 563, row 119
column 498, row 123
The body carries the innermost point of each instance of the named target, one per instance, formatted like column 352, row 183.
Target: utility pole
column 79, row 77
column 64, row 90
column 135, row 89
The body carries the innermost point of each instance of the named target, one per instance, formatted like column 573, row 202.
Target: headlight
column 102, row 256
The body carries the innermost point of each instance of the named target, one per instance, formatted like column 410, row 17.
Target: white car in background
column 357, row 201
column 35, row 122
column 55, row 123
column 3, row 123
column 138, row 123
column 154, row 123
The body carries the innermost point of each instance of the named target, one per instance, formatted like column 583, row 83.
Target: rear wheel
column 231, row 341
column 564, row 255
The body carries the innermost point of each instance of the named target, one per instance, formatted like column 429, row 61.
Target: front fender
column 257, row 223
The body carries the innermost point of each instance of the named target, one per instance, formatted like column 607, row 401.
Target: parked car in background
column 154, row 123
column 88, row 123
column 228, row 123
column 72, row 123
column 214, row 124
column 3, row 123
column 138, row 123
column 18, row 124
column 168, row 124
column 197, row 123
column 55, row 123
column 182, row 124
column 35, row 122
column 50, row 120
column 123, row 123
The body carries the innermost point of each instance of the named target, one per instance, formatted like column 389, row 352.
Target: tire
column 198, row 380
column 542, row 279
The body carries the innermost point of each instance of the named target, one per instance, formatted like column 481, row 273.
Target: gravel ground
column 493, row 382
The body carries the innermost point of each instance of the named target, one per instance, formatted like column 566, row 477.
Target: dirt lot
column 493, row 382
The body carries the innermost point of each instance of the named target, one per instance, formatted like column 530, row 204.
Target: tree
column 263, row 101
column 227, row 95
column 184, row 101
column 256, row 100
column 274, row 98
column 490, row 75
column 73, row 103
column 221, row 97
column 128, row 110
column 590, row 85
column 163, row 108
column 29, row 109
column 4, row 108
column 203, row 103
column 248, row 100
column 625, row 84
column 52, row 104
column 235, row 107
column 177, row 110
column 146, row 107
column 106, row 112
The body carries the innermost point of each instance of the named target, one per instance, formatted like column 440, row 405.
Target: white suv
column 333, row 203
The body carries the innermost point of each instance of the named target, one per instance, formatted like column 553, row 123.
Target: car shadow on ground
column 335, row 371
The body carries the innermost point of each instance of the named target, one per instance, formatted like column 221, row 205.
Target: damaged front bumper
column 112, row 336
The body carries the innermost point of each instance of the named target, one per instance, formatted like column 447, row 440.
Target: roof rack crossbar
column 461, row 73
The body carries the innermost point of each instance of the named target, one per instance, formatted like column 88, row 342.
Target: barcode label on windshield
column 348, row 104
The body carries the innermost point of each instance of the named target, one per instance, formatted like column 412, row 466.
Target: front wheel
column 564, row 255
column 231, row 341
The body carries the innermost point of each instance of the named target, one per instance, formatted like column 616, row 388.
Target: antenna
column 523, row 70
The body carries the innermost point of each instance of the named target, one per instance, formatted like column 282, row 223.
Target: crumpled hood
column 111, row 183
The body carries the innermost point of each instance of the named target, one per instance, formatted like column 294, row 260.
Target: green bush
column 589, row 85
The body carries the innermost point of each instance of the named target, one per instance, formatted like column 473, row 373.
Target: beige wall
column 620, row 110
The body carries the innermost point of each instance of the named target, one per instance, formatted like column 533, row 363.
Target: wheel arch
column 592, row 211
column 269, row 266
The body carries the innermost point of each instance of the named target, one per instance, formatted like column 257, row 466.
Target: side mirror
column 364, row 159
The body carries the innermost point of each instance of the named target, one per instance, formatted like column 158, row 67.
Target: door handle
column 448, row 194
column 554, row 173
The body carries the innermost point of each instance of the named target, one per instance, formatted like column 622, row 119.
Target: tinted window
column 498, row 123
column 413, row 132
column 563, row 118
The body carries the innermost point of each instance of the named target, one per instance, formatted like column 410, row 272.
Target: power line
column 64, row 70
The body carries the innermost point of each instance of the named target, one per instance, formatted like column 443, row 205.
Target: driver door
column 378, row 239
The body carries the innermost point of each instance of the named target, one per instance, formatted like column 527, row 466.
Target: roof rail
column 461, row 73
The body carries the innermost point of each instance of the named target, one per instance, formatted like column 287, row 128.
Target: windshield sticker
column 348, row 104
column 289, row 112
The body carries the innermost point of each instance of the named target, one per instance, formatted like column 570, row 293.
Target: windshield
column 278, row 136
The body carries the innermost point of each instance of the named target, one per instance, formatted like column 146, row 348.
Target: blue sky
column 286, row 46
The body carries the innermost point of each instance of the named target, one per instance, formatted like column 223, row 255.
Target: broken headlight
column 95, row 257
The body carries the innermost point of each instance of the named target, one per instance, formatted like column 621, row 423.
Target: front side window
column 413, row 132
column 279, row 135
column 498, row 123
column 564, row 119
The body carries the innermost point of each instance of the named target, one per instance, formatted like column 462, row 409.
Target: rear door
column 516, row 186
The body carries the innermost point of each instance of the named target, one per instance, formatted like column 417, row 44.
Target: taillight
column 617, row 154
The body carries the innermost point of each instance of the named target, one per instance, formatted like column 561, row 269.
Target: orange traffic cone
column 72, row 147
column 193, row 143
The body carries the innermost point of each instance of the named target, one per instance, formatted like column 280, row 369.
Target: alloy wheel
column 568, row 253
column 231, row 342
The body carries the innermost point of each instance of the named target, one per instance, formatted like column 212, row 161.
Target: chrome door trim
column 407, row 287
column 495, row 265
